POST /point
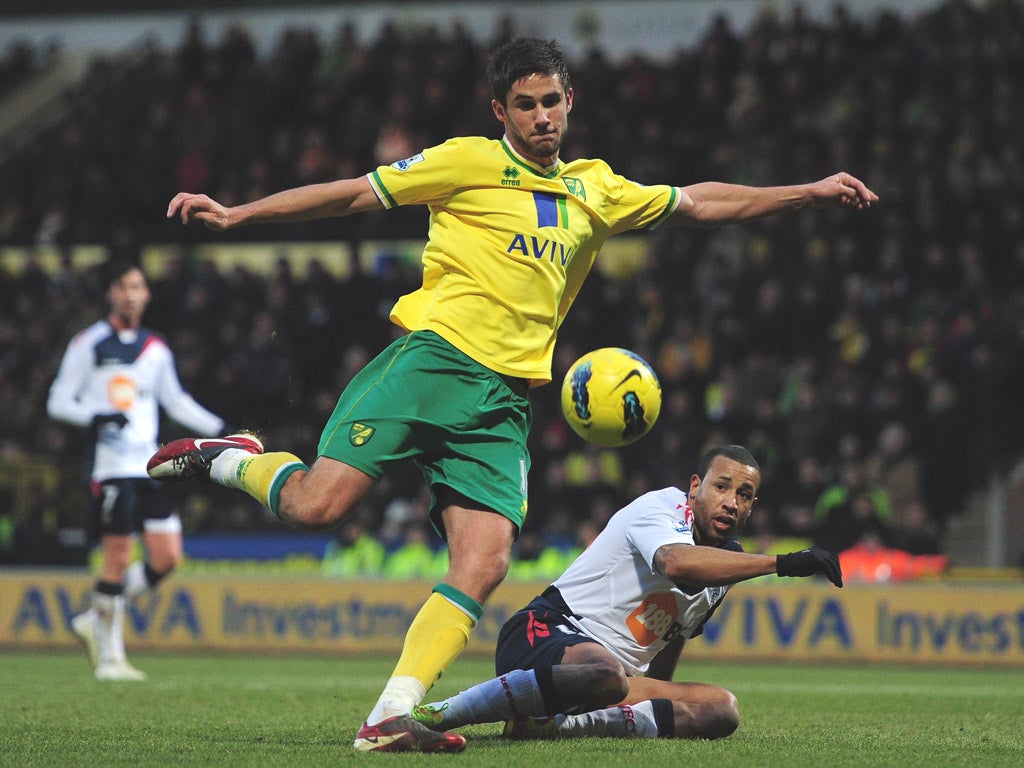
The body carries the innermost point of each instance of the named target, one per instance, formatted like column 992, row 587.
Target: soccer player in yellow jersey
column 513, row 233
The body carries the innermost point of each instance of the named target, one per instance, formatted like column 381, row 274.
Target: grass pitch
column 209, row 710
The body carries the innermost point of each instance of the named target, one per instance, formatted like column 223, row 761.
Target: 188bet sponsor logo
column 653, row 619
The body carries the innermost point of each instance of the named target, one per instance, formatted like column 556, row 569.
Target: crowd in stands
column 874, row 364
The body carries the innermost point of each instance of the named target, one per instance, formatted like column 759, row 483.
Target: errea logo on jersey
column 403, row 165
column 510, row 177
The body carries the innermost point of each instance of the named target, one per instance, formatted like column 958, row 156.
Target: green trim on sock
column 274, row 497
column 461, row 599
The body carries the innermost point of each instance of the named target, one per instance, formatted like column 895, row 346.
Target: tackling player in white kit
column 595, row 652
column 113, row 379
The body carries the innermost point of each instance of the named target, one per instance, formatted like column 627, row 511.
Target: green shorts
column 464, row 425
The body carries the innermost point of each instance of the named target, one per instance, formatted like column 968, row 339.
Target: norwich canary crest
column 360, row 434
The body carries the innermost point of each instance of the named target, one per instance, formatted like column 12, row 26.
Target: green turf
column 205, row 710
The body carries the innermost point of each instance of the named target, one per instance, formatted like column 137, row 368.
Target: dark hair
column 114, row 269
column 735, row 452
column 521, row 58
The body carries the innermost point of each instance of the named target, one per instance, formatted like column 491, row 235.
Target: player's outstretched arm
column 697, row 566
column 712, row 203
column 314, row 201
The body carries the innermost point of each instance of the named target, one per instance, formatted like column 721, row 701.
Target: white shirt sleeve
column 64, row 403
column 659, row 521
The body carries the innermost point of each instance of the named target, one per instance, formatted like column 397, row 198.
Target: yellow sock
column 261, row 476
column 437, row 635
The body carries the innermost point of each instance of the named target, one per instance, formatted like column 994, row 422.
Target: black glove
column 101, row 419
column 808, row 562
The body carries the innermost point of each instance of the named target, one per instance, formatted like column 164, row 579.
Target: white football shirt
column 131, row 372
column 617, row 597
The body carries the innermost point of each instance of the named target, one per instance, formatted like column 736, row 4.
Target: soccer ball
column 611, row 397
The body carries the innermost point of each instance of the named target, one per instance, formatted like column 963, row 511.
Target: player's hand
column 844, row 189
column 808, row 562
column 117, row 420
column 199, row 207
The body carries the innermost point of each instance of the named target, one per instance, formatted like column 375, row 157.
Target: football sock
column 135, row 581
column 109, row 625
column 261, row 476
column 108, row 588
column 153, row 576
column 140, row 577
column 622, row 721
column 436, row 637
column 515, row 694
column 664, row 717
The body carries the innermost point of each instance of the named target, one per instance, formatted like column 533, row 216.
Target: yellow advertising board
column 767, row 620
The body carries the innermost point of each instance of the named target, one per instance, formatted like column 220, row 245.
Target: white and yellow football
column 611, row 397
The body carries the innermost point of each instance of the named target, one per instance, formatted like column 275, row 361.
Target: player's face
column 128, row 297
column 536, row 116
column 722, row 500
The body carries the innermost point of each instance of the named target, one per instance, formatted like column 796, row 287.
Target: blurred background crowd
column 874, row 364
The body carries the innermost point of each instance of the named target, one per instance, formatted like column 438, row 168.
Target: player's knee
column 116, row 562
column 607, row 682
column 719, row 717
column 496, row 568
column 484, row 571
column 165, row 562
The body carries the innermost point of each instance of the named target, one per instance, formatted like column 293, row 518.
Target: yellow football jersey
column 509, row 244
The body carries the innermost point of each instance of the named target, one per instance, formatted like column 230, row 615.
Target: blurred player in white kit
column 113, row 379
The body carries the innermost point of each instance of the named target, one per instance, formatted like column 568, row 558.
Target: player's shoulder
column 468, row 146
column 152, row 340
column 669, row 497
column 473, row 143
column 593, row 169
column 592, row 179
column 668, row 502
column 93, row 334
column 456, row 154
column 592, row 164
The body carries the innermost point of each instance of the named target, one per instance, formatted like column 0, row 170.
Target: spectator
column 912, row 269
column 354, row 554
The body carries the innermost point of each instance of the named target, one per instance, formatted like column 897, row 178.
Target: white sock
column 623, row 721
column 511, row 695
column 224, row 467
column 400, row 695
column 135, row 581
column 109, row 627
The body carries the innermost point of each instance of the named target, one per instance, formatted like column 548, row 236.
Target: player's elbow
column 693, row 211
column 701, row 217
column 56, row 412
